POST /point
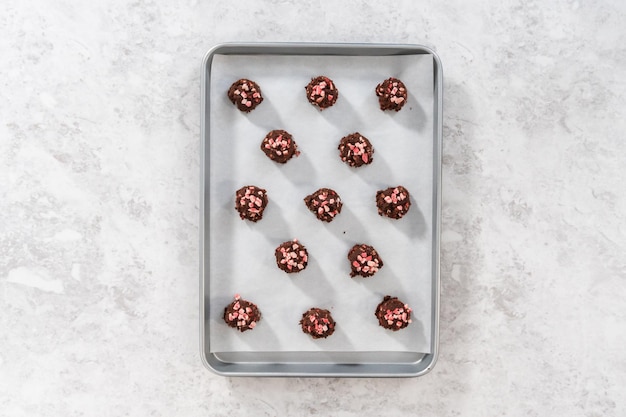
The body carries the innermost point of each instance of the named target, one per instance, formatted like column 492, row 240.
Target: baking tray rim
column 426, row 362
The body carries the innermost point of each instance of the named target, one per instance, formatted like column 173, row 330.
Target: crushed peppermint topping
column 245, row 94
column 291, row 256
column 356, row 150
column 250, row 202
column 393, row 314
column 279, row 145
column 392, row 94
column 321, row 92
column 318, row 323
column 398, row 316
column 364, row 260
column 324, row 203
column 393, row 202
column 241, row 314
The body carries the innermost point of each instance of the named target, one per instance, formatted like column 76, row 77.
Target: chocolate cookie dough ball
column 291, row 256
column 250, row 202
column 393, row 314
column 318, row 323
column 394, row 202
column 241, row 314
column 245, row 94
column 279, row 146
column 364, row 260
column 321, row 92
column 324, row 203
column 356, row 150
column 392, row 94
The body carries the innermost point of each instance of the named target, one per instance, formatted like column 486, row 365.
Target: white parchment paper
column 242, row 253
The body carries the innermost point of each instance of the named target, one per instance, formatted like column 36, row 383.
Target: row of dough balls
column 320, row 92
column 325, row 203
column 317, row 322
column 354, row 149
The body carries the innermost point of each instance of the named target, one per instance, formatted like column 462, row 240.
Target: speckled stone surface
column 99, row 155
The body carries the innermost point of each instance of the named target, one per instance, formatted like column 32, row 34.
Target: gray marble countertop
column 99, row 161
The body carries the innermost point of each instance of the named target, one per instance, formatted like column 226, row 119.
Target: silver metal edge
column 438, row 136
column 437, row 193
column 201, row 225
column 204, row 195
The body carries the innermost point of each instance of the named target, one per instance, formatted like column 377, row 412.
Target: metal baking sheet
column 386, row 358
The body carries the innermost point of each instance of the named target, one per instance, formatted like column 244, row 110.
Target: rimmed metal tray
column 320, row 363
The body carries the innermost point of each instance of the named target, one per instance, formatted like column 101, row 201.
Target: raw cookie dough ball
column 356, row 150
column 250, row 202
column 321, row 92
column 279, row 146
column 318, row 323
column 324, row 203
column 364, row 260
column 391, row 94
column 291, row 256
column 394, row 202
column 245, row 94
column 393, row 314
column 241, row 314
